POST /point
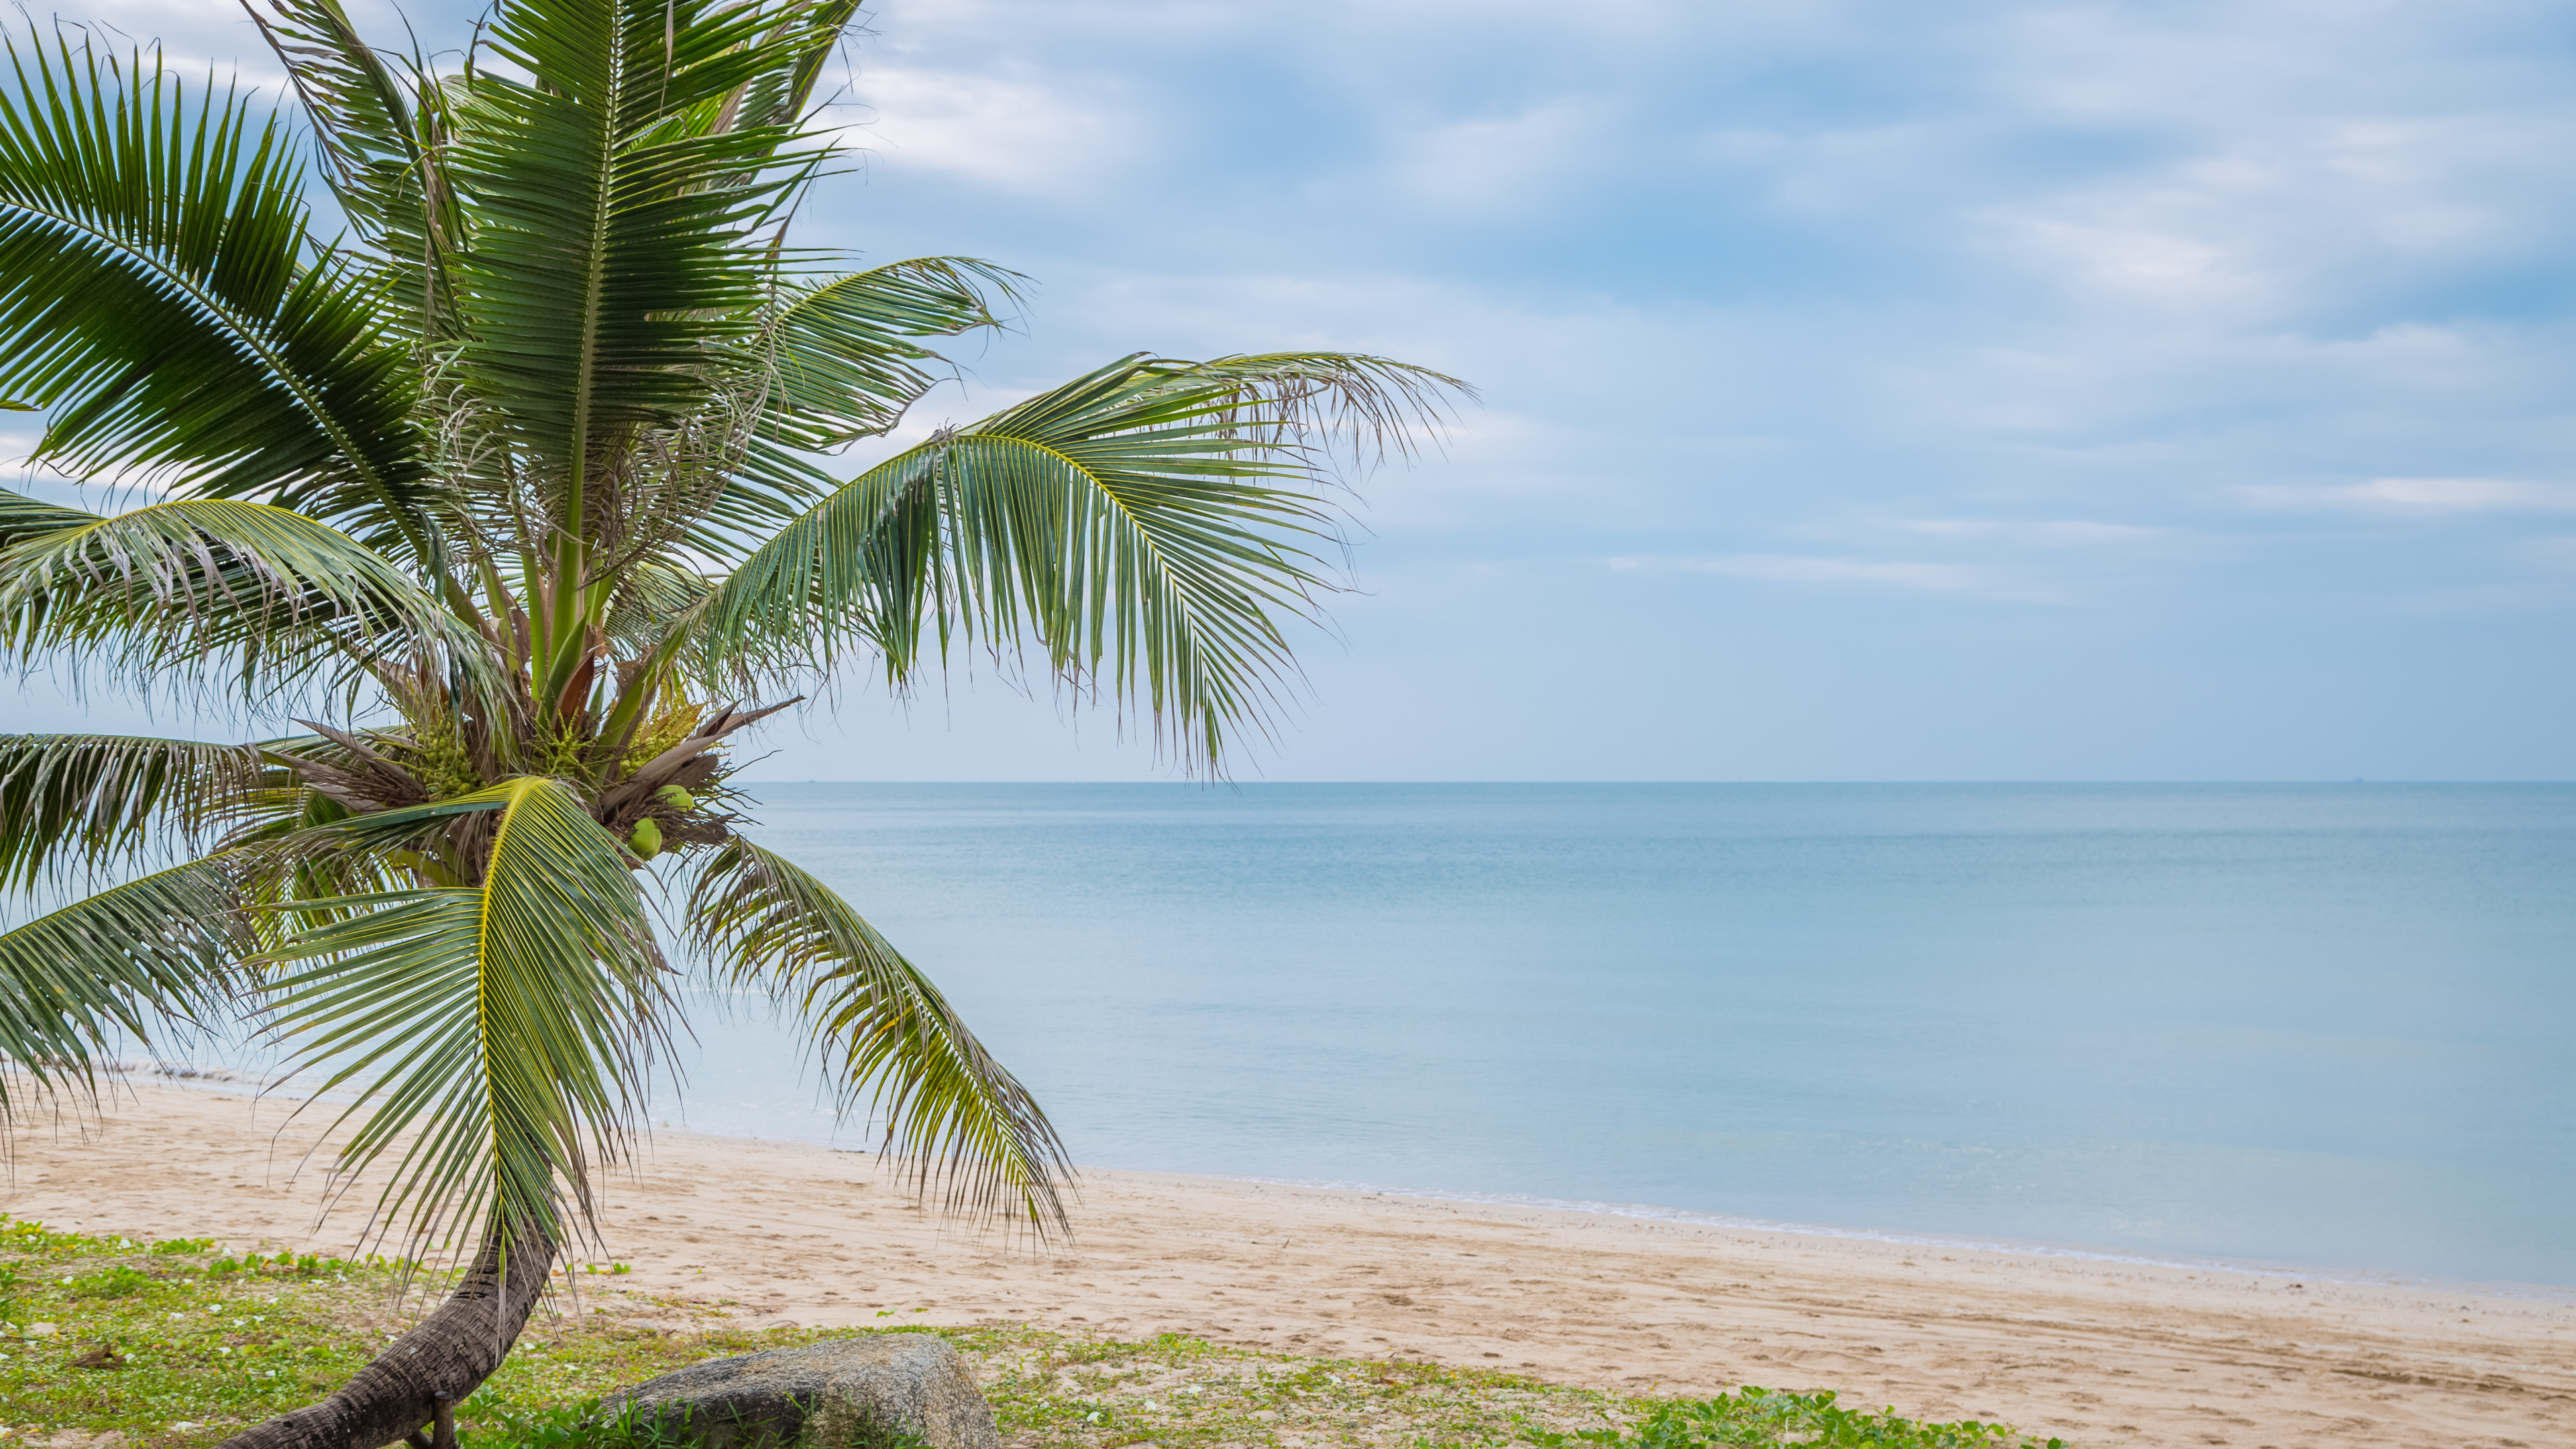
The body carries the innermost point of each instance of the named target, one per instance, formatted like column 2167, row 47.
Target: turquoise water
column 2319, row 1026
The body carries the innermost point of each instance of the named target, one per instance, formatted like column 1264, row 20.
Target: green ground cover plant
column 176, row 1344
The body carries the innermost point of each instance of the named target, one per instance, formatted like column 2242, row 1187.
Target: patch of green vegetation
column 118, row 1281
column 108, row 1333
column 174, row 1348
column 1763, row 1418
column 564, row 1426
column 1056, row 1391
column 283, row 1265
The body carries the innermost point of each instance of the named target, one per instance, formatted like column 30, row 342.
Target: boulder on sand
column 851, row 1393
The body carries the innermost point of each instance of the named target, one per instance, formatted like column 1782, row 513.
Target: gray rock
column 852, row 1393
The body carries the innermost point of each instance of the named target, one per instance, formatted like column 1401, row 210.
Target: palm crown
column 517, row 490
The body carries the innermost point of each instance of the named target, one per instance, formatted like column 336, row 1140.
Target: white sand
column 2103, row 1353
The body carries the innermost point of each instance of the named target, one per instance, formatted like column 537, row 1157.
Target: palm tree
column 514, row 492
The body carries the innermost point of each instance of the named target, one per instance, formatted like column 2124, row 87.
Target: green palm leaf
column 161, row 297
column 152, row 953
column 884, row 1032
column 653, row 602
column 382, row 136
column 609, row 272
column 97, row 801
column 508, row 1025
column 805, row 33
column 846, row 364
column 1148, row 526
column 22, row 517
column 200, row 588
column 835, row 361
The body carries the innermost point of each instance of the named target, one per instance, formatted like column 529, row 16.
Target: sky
column 1870, row 391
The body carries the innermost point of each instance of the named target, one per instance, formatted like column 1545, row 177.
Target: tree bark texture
column 421, row 1376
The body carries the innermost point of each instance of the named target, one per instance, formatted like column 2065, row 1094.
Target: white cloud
column 2138, row 258
column 1785, row 568
column 1503, row 165
column 2424, row 496
column 2290, row 214
column 1018, row 134
column 2257, row 179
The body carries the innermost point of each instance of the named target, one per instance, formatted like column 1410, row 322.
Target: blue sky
column 1872, row 391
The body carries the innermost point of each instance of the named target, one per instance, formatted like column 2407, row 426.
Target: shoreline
column 2014, row 1247
column 229, row 1082
column 771, row 1232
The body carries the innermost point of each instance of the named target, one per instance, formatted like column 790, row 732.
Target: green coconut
column 676, row 798
column 647, row 839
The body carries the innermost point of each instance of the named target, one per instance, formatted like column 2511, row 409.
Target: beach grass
column 177, row 1344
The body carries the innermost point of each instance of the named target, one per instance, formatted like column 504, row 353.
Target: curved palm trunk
column 421, row 1376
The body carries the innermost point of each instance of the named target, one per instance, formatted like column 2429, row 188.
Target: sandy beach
column 2101, row 1353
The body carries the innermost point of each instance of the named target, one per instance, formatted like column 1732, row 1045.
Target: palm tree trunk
column 422, row 1375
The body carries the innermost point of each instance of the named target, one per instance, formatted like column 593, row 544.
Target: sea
column 2317, row 1029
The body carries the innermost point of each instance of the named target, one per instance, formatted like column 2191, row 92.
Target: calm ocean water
column 2319, row 1026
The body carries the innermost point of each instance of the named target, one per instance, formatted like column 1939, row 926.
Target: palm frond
column 127, row 962
column 846, row 365
column 767, row 483
column 1149, row 527
column 22, row 517
column 382, row 136
column 98, row 801
column 884, row 1033
column 835, row 361
column 609, row 266
column 1323, row 405
column 303, row 853
column 161, row 298
column 360, row 114
column 653, row 601
column 497, row 1037
column 196, row 589
column 780, row 95
column 282, row 831
column 381, row 832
